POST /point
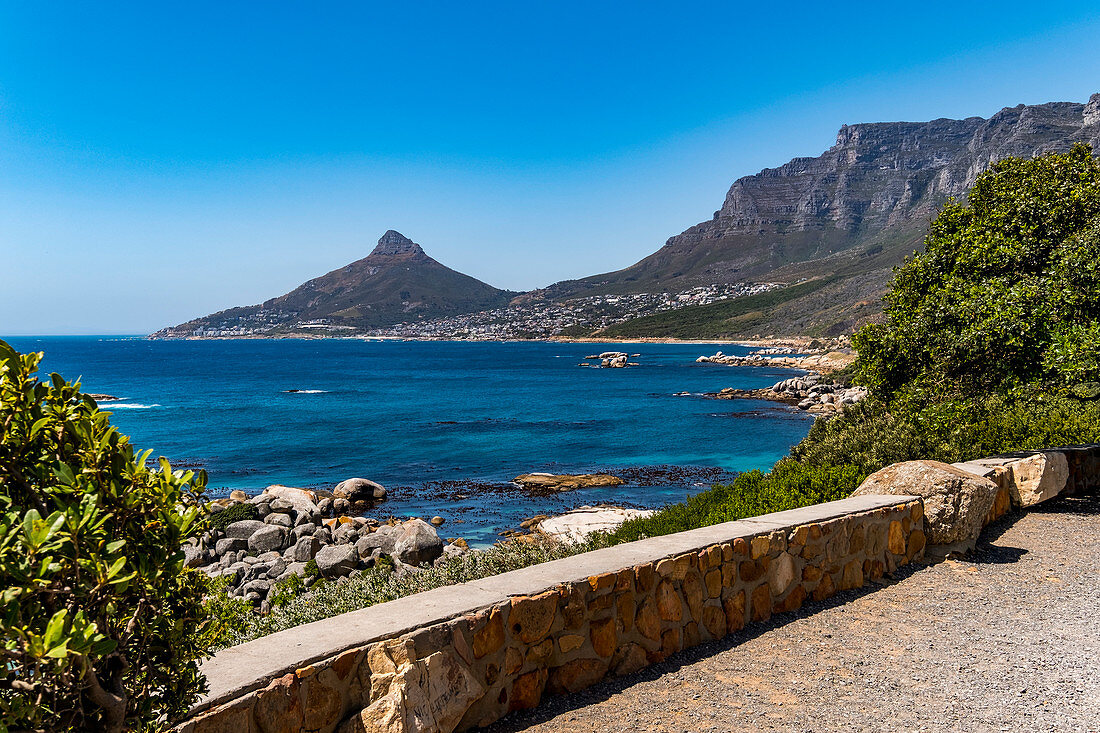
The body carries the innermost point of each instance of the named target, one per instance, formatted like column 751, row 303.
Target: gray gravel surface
column 1007, row 640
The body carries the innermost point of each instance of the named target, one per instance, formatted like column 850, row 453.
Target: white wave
column 130, row 406
column 305, row 391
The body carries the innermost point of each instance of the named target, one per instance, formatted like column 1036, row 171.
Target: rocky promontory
column 823, row 363
column 565, row 481
column 811, row 393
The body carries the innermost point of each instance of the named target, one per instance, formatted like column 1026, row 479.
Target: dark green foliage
column 714, row 320
column 227, row 616
column 1007, row 291
column 788, row 486
column 235, row 513
column 102, row 625
column 312, row 571
column 287, row 590
column 871, row 435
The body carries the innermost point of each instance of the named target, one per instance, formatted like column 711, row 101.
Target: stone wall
column 461, row 657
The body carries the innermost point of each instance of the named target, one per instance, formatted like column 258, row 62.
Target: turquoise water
column 444, row 425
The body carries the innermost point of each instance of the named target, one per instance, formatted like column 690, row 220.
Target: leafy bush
column 286, row 590
column 234, row 513
column 872, row 435
column 1007, row 291
column 102, row 625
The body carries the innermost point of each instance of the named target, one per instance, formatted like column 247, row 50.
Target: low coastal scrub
column 789, row 485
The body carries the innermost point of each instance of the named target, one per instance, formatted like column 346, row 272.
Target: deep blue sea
column 443, row 425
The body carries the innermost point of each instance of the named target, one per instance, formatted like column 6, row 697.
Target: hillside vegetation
column 724, row 319
column 991, row 344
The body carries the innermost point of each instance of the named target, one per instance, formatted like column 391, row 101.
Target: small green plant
column 103, row 626
column 286, row 590
column 234, row 513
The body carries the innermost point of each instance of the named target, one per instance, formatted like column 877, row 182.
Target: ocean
column 444, row 426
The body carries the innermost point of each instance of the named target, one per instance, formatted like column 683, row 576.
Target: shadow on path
column 986, row 551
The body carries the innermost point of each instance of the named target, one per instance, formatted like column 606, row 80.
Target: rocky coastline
column 811, row 393
column 291, row 536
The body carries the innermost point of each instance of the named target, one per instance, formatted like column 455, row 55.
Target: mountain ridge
column 846, row 217
column 397, row 282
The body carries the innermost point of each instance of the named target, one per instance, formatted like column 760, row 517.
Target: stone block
column 604, row 637
column 489, row 636
column 734, row 606
column 530, row 617
column 669, row 603
column 647, row 620
column 576, row 675
column 781, row 574
column 761, row 603
column 527, row 690
column 628, row 659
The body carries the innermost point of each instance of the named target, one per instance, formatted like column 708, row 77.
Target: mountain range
column 829, row 228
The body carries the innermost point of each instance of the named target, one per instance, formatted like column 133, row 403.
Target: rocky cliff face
column 397, row 282
column 857, row 209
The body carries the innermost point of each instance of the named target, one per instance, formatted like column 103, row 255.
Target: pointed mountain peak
column 396, row 243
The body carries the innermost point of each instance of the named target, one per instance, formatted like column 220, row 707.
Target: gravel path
column 1007, row 641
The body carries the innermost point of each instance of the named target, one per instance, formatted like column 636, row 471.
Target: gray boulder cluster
column 816, row 395
column 809, row 392
column 612, row 359
column 297, row 526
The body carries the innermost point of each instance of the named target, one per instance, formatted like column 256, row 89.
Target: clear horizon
column 159, row 163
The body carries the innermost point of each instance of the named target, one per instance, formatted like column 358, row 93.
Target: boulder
column 359, row 491
column 1038, row 477
column 1030, row 478
column 301, row 500
column 337, row 560
column 238, row 495
column 244, row 528
column 270, row 537
column 193, row 556
column 565, row 481
column 417, row 544
column 294, row 568
column 230, row 544
column 281, row 520
column 305, row 549
column 276, row 568
column 955, row 502
column 345, row 534
column 384, row 538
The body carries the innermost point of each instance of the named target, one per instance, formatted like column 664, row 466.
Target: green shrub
column 234, row 513
column 1007, row 291
column 788, row 486
column 227, row 616
column 102, row 625
column 872, row 435
column 286, row 590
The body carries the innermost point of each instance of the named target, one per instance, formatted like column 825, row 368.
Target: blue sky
column 160, row 161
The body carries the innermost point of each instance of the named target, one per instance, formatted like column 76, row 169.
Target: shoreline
column 791, row 341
